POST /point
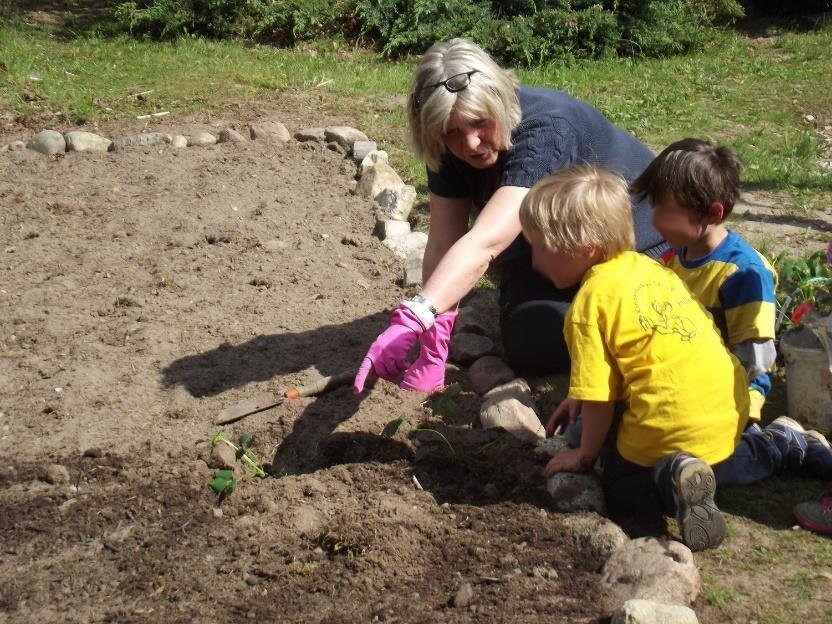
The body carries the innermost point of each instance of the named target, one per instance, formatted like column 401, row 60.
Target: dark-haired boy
column 693, row 186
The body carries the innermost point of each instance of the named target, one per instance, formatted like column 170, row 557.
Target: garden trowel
column 266, row 400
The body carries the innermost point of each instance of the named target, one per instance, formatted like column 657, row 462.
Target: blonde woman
column 486, row 140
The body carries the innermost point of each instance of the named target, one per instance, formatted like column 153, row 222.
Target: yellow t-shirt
column 636, row 334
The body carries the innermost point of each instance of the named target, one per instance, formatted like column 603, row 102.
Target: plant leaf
column 393, row 426
column 223, row 482
column 452, row 391
column 246, row 441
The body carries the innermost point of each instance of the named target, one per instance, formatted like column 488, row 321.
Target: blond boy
column 638, row 338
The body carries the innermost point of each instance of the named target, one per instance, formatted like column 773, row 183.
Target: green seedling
column 445, row 403
column 393, row 427
column 224, row 483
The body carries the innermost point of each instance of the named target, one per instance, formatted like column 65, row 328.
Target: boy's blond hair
column 576, row 208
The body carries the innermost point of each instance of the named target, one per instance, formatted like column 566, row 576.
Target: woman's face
column 474, row 141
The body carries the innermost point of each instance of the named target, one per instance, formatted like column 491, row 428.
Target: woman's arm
column 455, row 272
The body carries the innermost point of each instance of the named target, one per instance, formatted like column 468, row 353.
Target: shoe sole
column 789, row 423
column 700, row 521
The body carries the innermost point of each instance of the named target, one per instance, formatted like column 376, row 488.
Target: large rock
column 511, row 407
column 405, row 245
column 576, row 491
column 397, row 202
column 314, row 134
column 377, row 178
column 271, row 130
column 376, row 156
column 230, row 135
column 639, row 611
column 345, row 136
column 465, row 347
column 413, row 265
column 47, row 142
column 202, row 139
column 80, row 141
column 362, row 149
column 140, row 140
column 391, row 229
column 647, row 568
column 487, row 372
column 596, row 535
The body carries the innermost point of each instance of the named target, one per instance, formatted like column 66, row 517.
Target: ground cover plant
column 142, row 292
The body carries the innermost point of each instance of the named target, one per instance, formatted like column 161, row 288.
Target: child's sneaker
column 694, row 485
column 818, row 460
column 815, row 515
column 789, row 437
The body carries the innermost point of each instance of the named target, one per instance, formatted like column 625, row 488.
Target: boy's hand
column 566, row 413
column 571, row 460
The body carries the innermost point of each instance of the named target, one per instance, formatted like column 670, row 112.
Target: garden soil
column 143, row 291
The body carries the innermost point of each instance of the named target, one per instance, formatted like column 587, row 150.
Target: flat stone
column 179, row 141
column 15, row 146
column 466, row 347
column 397, row 202
column 576, row 491
column 391, row 229
column 638, row 611
column 229, row 135
column 80, row 141
column 374, row 157
column 650, row 569
column 511, row 408
column 361, row 149
column 591, row 532
column 345, row 136
column 201, row 139
column 488, row 371
column 405, row 245
column 310, row 134
column 140, row 140
column 413, row 266
column 47, row 142
column 270, row 130
column 377, row 178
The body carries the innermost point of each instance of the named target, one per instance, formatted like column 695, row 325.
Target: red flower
column 801, row 310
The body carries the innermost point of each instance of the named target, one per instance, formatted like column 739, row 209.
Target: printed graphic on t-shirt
column 656, row 312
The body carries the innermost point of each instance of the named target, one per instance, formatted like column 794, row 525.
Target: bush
column 515, row 32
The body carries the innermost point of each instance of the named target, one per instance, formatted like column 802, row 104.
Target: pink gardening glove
column 387, row 356
column 427, row 373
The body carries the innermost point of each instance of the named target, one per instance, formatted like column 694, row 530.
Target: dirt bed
column 140, row 293
column 143, row 291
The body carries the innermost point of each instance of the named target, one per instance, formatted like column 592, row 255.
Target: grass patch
column 733, row 93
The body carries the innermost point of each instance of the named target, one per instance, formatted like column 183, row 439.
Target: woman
column 486, row 140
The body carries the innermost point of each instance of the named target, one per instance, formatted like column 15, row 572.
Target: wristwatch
column 425, row 302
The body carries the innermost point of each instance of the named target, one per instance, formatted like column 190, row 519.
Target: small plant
column 445, row 403
column 224, row 483
column 804, row 284
column 423, row 451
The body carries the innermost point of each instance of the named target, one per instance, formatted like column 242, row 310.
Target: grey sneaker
column 694, row 485
column 789, row 437
column 818, row 460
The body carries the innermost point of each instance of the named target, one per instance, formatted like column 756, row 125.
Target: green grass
column 751, row 94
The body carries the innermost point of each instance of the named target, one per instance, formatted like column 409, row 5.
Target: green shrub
column 515, row 32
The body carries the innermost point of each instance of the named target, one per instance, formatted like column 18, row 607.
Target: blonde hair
column 575, row 208
column 491, row 94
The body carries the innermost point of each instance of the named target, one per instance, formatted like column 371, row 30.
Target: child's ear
column 716, row 213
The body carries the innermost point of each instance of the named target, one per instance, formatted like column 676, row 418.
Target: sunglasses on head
column 453, row 84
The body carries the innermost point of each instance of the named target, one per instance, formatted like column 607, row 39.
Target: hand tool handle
column 324, row 384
